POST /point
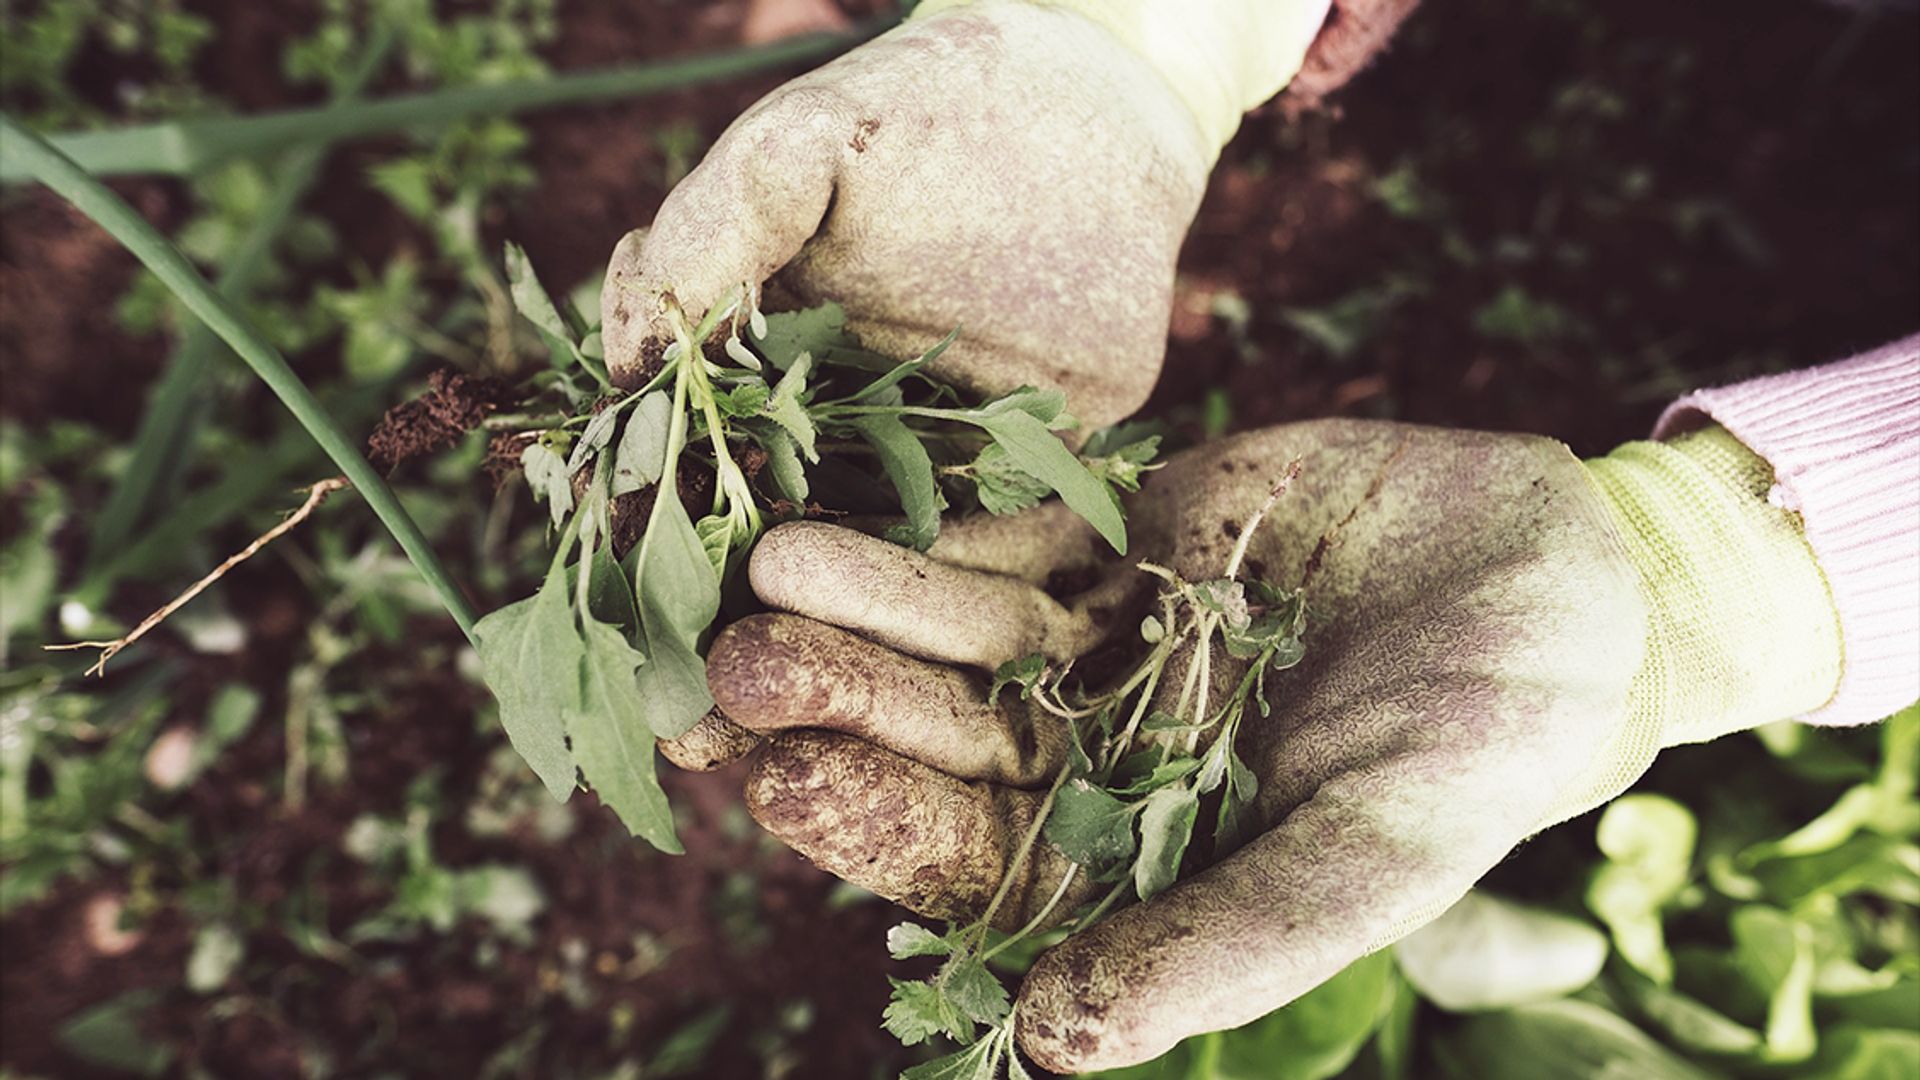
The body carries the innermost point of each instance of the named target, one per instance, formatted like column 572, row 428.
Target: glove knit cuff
column 1843, row 442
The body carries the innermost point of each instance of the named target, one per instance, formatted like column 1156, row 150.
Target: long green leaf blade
column 906, row 463
column 532, row 657
column 1036, row 451
column 612, row 741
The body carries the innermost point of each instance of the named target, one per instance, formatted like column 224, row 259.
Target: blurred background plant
column 284, row 837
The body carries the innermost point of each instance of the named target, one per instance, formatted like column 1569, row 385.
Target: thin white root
column 316, row 495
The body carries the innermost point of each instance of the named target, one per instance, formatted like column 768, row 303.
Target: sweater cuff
column 1844, row 444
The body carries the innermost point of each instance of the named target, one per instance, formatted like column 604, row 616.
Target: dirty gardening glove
column 1500, row 637
column 1018, row 170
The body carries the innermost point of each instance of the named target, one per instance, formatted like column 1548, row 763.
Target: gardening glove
column 1500, row 637
column 1023, row 171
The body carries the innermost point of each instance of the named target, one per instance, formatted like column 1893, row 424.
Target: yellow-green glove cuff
column 1743, row 628
column 1222, row 57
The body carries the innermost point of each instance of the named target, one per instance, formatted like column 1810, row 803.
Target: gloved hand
column 1014, row 169
column 1500, row 638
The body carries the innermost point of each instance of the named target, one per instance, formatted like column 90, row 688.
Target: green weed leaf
column 783, row 460
column 903, row 371
column 907, row 465
column 612, row 741
column 819, row 331
column 919, row 1011
column 593, row 438
column 1090, row 826
column 974, row 990
column 973, row 1063
column 1130, row 780
column 531, row 299
column 906, row 940
column 716, row 536
column 1123, row 467
column 1166, row 825
column 1034, row 449
column 547, row 475
column 679, row 596
column 1489, row 953
column 1025, row 672
column 531, row 655
column 1648, row 841
column 1003, row 487
column 785, row 407
column 642, row 453
column 1046, row 406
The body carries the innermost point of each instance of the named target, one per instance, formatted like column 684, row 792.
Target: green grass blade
column 179, row 147
column 163, row 445
column 57, row 171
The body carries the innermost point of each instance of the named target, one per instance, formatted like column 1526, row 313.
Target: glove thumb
column 743, row 213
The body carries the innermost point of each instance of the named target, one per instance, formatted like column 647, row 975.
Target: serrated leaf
column 907, row 940
column 785, row 408
column 1090, row 826
column 611, row 739
column 783, row 460
column 1124, row 467
column 918, row 1011
column 531, row 654
column 642, row 452
column 1035, row 450
column 1273, row 619
column 909, row 468
column 820, row 331
column 1225, row 597
column 1003, row 487
column 1166, row 825
column 974, row 990
column 747, row 399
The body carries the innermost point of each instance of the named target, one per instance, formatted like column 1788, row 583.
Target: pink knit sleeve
column 1844, row 443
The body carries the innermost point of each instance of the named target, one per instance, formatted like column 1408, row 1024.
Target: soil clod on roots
column 453, row 405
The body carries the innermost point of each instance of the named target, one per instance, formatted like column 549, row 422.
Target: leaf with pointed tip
column 612, row 741
column 531, row 654
column 1165, row 827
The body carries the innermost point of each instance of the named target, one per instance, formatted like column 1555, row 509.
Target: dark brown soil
column 452, row 405
column 1700, row 195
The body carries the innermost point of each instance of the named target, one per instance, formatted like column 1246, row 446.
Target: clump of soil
column 453, row 405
